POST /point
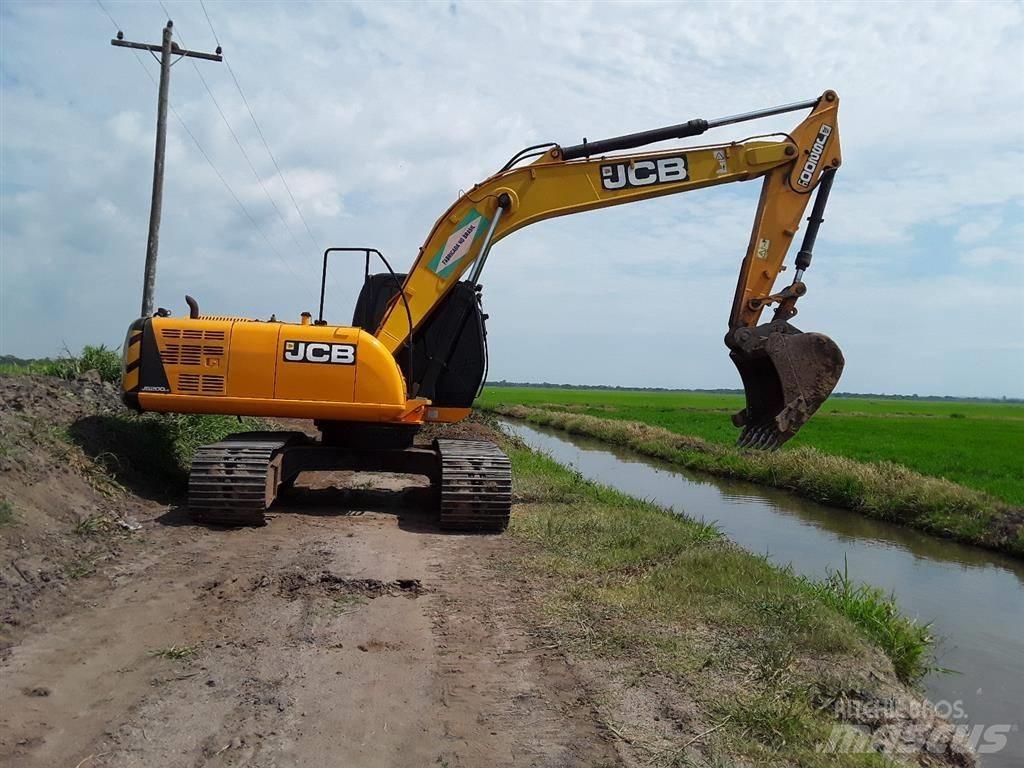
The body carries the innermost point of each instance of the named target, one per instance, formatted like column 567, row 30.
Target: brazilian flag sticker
column 459, row 245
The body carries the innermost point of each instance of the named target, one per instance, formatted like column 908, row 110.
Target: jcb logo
column 643, row 173
column 319, row 352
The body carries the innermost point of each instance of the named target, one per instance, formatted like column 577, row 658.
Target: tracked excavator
column 415, row 351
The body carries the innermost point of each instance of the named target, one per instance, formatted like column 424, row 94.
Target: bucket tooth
column 746, row 437
column 787, row 374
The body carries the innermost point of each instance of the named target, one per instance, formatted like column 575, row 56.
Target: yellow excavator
column 415, row 351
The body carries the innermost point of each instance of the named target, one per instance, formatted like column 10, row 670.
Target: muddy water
column 974, row 598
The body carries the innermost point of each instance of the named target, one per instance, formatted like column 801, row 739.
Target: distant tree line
column 859, row 395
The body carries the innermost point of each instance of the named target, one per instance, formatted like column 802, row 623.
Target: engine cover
column 238, row 366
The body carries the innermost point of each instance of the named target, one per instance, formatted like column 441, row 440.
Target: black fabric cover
column 449, row 351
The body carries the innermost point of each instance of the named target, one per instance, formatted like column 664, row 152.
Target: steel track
column 476, row 485
column 234, row 481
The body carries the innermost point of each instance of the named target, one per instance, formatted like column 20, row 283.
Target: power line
column 215, row 38
column 248, row 160
column 105, row 11
column 238, row 142
column 259, row 130
column 263, row 139
column 203, row 152
column 237, row 200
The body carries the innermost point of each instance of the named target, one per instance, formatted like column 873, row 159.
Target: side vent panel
column 189, row 354
column 200, row 384
column 195, row 359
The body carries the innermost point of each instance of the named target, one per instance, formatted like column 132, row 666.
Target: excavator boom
column 786, row 374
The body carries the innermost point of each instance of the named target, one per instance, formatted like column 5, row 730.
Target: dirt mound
column 59, row 401
column 63, row 519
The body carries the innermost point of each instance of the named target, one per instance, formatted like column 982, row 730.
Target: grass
column 345, row 604
column 883, row 490
column 973, row 444
column 176, row 652
column 654, row 593
column 93, row 525
column 7, row 515
column 907, row 643
column 106, row 362
column 683, row 565
column 153, row 448
column 83, row 566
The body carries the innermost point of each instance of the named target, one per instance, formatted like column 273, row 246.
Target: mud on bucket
column 787, row 375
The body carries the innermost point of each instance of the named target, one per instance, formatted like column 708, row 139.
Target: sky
column 378, row 114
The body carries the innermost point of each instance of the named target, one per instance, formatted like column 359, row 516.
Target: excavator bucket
column 787, row 375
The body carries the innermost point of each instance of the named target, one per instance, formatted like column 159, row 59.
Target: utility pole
column 167, row 49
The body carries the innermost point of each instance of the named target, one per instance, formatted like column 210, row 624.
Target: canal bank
column 974, row 598
column 881, row 490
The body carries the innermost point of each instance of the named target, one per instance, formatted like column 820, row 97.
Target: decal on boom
column 644, row 173
column 459, row 244
column 817, row 149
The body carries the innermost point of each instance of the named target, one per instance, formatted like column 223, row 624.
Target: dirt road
column 323, row 639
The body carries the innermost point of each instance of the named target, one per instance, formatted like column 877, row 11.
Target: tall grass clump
column 883, row 490
column 105, row 361
column 154, row 448
column 6, row 512
column 907, row 643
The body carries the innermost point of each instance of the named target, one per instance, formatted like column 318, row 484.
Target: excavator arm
column 786, row 373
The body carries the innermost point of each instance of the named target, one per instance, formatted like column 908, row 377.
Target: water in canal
column 974, row 598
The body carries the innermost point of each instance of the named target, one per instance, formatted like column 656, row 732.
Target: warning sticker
column 459, row 244
column 723, row 165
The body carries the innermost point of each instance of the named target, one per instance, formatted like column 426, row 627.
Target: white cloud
column 380, row 113
column 993, row 254
column 980, row 228
column 127, row 127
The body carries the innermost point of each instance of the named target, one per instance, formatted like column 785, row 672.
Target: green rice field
column 975, row 444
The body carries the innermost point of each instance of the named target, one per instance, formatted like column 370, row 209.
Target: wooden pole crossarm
column 175, row 49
